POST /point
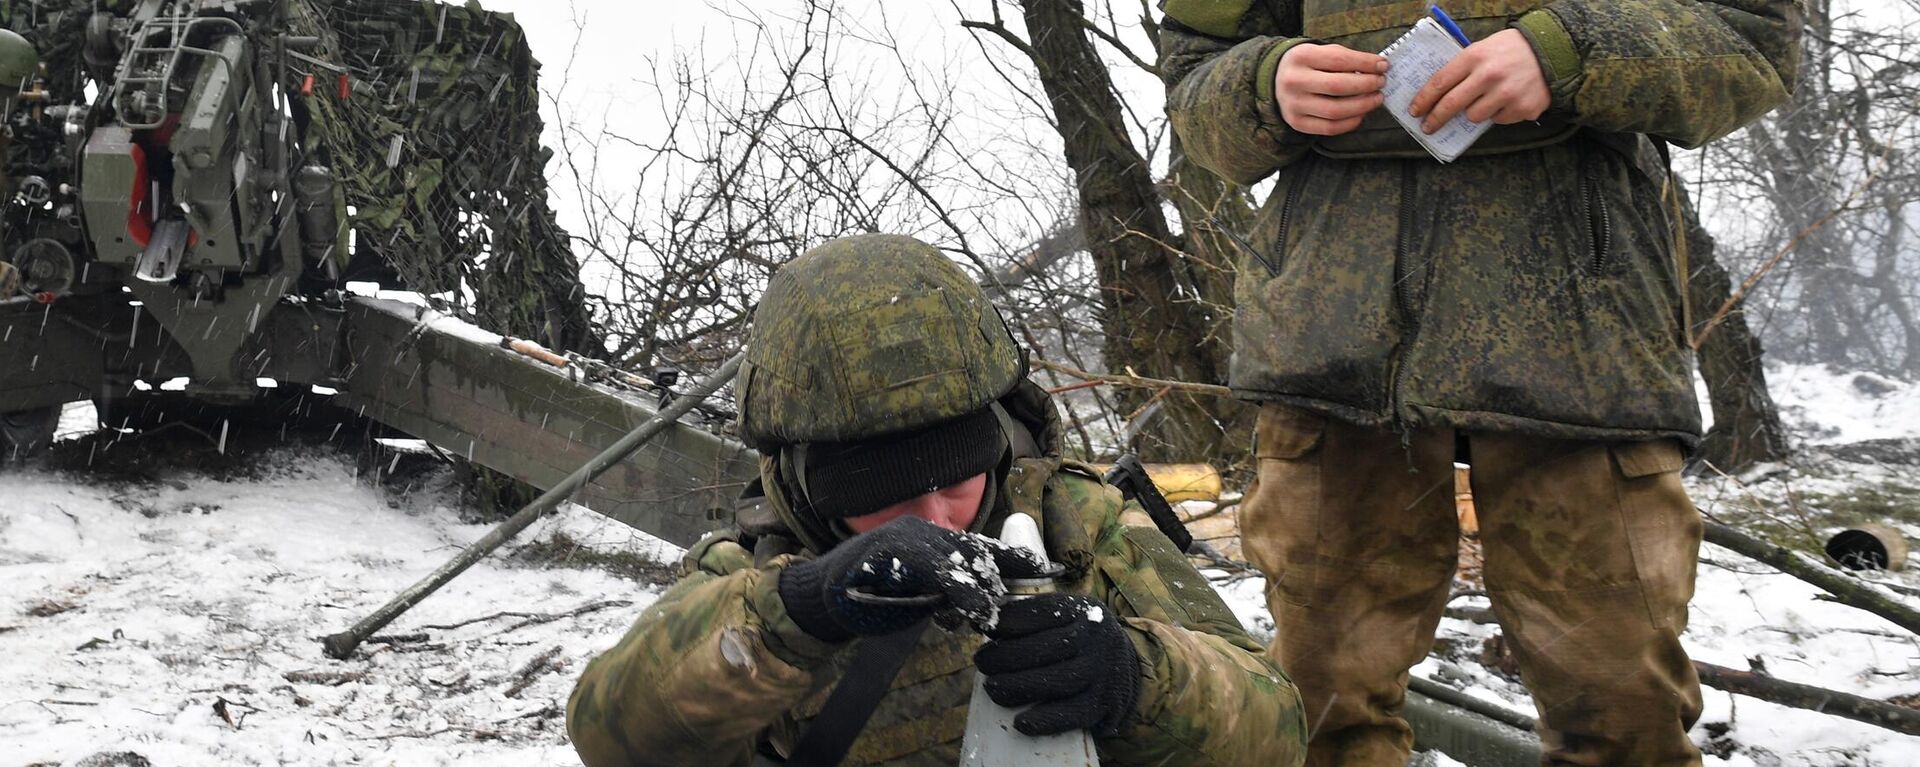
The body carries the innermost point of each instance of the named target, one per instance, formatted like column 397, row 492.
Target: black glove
column 1070, row 657
column 906, row 557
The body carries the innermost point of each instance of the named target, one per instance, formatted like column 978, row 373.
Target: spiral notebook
column 1413, row 59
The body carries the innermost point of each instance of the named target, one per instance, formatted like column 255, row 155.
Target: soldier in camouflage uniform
column 1521, row 308
column 891, row 407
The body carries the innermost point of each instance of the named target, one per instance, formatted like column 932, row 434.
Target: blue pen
column 1452, row 28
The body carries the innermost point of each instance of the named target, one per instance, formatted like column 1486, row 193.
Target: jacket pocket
column 1271, row 251
column 1597, row 215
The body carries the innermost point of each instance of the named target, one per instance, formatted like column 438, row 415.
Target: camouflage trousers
column 1590, row 552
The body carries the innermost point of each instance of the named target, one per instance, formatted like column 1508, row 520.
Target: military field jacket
column 1534, row 285
column 716, row 667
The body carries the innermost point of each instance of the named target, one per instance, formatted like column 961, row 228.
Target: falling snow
column 179, row 618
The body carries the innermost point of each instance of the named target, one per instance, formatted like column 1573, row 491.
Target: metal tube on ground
column 341, row 645
column 1467, row 735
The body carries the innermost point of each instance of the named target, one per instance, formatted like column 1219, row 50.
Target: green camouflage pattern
column 716, row 666
column 437, row 152
column 1589, row 553
column 1536, row 288
column 866, row 336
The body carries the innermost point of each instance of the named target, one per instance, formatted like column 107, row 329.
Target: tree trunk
column 1746, row 424
column 1150, row 310
column 1215, row 213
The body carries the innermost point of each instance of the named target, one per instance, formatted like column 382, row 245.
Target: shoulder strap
column 854, row 699
column 1131, row 477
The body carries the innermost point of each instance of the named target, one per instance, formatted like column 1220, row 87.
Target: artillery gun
column 178, row 194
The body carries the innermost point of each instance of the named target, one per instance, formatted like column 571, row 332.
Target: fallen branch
column 1846, row 590
column 328, row 678
column 1471, row 614
column 1136, row 381
column 534, row 668
column 398, row 638
column 544, row 712
column 1777, row 691
column 531, row 619
column 1831, row 702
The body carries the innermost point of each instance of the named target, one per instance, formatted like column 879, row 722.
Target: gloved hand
column 906, row 557
column 1069, row 656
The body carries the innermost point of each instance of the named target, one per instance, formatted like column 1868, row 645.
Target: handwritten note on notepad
column 1412, row 61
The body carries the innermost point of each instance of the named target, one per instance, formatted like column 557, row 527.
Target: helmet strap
column 1019, row 437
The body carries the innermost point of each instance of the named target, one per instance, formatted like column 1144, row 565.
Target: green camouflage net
column 55, row 27
column 437, row 148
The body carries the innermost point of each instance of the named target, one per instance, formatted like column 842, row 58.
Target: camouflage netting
column 56, row 29
column 437, row 148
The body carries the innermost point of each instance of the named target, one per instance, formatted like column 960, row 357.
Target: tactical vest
column 1372, row 25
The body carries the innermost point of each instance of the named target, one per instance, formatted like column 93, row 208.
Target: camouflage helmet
column 869, row 336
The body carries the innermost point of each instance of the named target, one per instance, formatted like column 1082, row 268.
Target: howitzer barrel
column 454, row 386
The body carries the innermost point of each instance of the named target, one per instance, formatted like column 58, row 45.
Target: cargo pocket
column 1663, row 527
column 1280, row 519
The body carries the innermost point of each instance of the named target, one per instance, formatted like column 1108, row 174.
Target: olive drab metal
column 19, row 62
column 991, row 738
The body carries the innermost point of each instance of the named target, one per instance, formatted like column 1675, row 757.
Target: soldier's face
column 952, row 507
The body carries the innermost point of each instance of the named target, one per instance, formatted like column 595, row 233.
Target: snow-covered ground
column 180, row 619
column 176, row 614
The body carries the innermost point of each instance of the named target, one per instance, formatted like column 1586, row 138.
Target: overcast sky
column 598, row 57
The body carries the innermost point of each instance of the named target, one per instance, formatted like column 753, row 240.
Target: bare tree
column 1833, row 168
column 1164, row 300
column 1746, row 424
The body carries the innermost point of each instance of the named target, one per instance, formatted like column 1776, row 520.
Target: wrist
column 1553, row 47
column 1267, row 96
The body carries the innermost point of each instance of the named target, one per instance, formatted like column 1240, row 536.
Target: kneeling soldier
column 896, row 422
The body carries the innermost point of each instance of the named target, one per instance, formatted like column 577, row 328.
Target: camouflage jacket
column 716, row 669
column 1535, row 285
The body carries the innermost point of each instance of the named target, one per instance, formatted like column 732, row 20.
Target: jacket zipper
column 1403, row 291
column 1599, row 224
column 1294, row 188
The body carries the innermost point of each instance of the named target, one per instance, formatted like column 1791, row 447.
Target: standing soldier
column 896, row 423
column 1522, row 305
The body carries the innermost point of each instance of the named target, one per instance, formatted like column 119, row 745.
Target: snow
column 132, row 608
column 1825, row 406
column 131, row 612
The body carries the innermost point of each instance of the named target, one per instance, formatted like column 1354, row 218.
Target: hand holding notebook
column 1459, row 89
column 1412, row 61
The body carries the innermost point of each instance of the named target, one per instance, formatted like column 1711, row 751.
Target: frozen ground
column 175, row 613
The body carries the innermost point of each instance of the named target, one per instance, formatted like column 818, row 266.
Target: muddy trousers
column 1590, row 551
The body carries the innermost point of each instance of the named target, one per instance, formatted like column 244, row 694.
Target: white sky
column 599, row 57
